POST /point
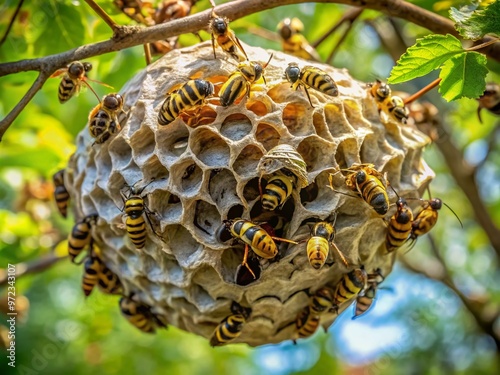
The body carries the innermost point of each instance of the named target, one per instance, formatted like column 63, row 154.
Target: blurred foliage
column 417, row 325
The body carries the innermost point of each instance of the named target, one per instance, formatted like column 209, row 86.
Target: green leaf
column 474, row 25
column 463, row 76
column 428, row 54
column 62, row 29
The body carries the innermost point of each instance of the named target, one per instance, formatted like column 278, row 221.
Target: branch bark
column 132, row 36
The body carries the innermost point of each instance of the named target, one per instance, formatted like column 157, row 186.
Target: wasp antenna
column 341, row 255
column 454, row 213
column 213, row 4
column 268, row 61
column 91, row 89
column 429, row 191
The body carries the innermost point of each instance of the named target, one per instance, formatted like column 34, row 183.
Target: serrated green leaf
column 475, row 25
column 428, row 54
column 463, row 76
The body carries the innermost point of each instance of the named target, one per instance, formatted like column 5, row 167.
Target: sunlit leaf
column 428, row 54
column 476, row 24
column 463, row 76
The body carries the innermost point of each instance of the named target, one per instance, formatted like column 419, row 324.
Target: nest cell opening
column 222, row 188
column 236, row 127
column 181, row 243
column 143, row 144
column 210, row 148
column 312, row 150
column 247, row 161
column 172, row 142
column 320, row 126
column 267, row 135
column 187, row 176
column 296, row 118
column 120, row 153
column 336, row 121
column 251, row 189
column 206, row 221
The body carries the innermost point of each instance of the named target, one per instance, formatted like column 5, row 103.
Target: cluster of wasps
column 282, row 168
column 82, row 249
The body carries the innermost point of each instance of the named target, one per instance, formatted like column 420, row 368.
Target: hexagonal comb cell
column 210, row 148
column 188, row 277
column 236, row 127
column 247, row 161
column 297, row 118
column 267, row 135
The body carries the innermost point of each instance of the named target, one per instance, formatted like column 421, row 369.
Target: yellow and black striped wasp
column 240, row 81
column 74, row 76
column 400, row 225
column 253, row 236
column 61, row 195
column 103, row 119
column 318, row 245
column 369, row 184
column 311, row 77
column 288, row 171
column 351, row 284
column 365, row 299
column 231, row 326
column 308, row 320
column 80, row 236
column 293, row 42
column 95, row 272
column 225, row 37
column 380, row 91
column 140, row 315
column 190, row 95
column 395, row 107
column 135, row 210
column 427, row 218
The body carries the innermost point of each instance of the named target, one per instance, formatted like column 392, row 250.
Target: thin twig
column 422, row 92
column 104, row 16
column 11, row 23
column 147, row 53
column 341, row 39
column 133, row 36
column 389, row 35
column 36, row 265
column 37, row 85
column 351, row 14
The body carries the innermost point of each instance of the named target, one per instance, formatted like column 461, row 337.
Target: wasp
column 351, row 284
column 74, row 75
column 141, row 11
column 108, row 281
column 395, row 107
column 278, row 189
column 230, row 327
column 61, row 195
column 490, row 100
column 307, row 322
column 103, row 119
column 318, row 245
column 240, row 81
column 92, row 268
column 225, row 37
column 369, row 184
column 400, row 226
column 191, row 94
column 288, row 170
column 365, row 299
column 293, row 42
column 426, row 219
column 253, row 236
column 135, row 210
column 311, row 77
column 139, row 315
column 380, row 91
column 80, row 236
column 173, row 9
column 322, row 301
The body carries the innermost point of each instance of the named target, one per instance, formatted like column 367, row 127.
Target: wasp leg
column 245, row 263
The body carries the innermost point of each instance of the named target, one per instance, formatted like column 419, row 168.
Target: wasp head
column 292, row 72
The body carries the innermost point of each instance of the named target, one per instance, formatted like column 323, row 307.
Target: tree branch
column 37, row 85
column 132, row 36
column 104, row 16
column 11, row 23
column 36, row 265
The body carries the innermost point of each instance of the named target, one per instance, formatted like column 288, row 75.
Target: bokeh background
column 437, row 313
